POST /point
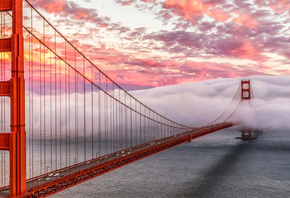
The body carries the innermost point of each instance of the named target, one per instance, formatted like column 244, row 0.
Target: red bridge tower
column 15, row 141
column 246, row 95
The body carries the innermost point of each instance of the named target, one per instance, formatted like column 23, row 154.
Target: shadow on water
column 210, row 178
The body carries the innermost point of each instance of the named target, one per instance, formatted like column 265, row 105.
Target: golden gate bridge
column 64, row 121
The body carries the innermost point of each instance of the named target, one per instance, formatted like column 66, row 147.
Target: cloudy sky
column 150, row 43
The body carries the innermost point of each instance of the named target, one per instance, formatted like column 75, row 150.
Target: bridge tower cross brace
column 246, row 95
column 15, row 141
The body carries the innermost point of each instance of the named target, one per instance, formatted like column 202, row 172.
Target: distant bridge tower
column 245, row 89
column 246, row 95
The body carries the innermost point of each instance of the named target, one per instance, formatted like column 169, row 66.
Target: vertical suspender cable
column 50, row 111
column 110, row 123
column 149, row 134
column 66, row 121
column 76, row 114
column 55, row 107
column 44, row 104
column 99, row 117
column 69, row 116
column 120, row 125
column 106, row 118
column 75, row 110
column 92, row 99
column 140, row 127
column 113, row 119
column 85, row 142
column 136, row 127
column 40, row 109
column 32, row 90
column 29, row 99
column 126, row 124
column 131, row 124
column 59, row 108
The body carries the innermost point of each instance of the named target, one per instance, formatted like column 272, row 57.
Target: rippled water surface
column 217, row 165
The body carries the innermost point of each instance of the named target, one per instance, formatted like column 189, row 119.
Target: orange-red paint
column 5, row 45
column 4, row 141
column 5, row 5
column 5, row 88
column 15, row 141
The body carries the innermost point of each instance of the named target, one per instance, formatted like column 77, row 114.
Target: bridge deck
column 59, row 180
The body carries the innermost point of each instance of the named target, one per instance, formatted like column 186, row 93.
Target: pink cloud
column 246, row 21
column 65, row 8
column 280, row 5
column 192, row 9
column 237, row 39
column 152, row 73
column 246, row 51
column 53, row 6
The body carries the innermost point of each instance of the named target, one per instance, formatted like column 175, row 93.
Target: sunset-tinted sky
column 148, row 43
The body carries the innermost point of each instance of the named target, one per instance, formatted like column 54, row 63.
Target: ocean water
column 216, row 165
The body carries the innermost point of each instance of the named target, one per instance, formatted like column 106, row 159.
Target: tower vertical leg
column 18, row 135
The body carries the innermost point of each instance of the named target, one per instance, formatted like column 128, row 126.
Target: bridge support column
column 15, row 141
column 189, row 138
column 246, row 134
column 18, row 148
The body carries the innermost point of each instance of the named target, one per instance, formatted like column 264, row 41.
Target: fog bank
column 197, row 104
